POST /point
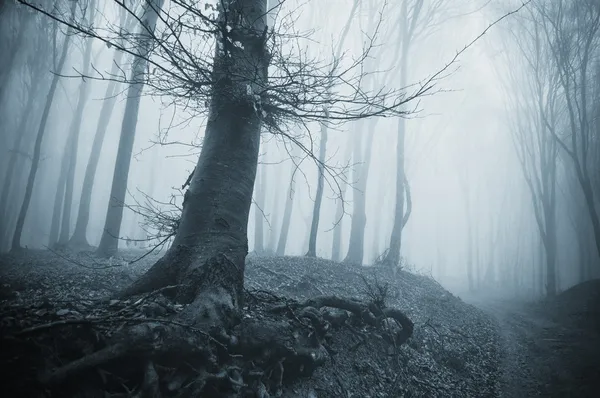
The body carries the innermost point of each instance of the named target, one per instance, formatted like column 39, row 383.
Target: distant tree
column 289, row 203
column 572, row 32
column 336, row 243
column 16, row 241
column 75, row 130
column 314, row 227
column 36, row 69
column 109, row 243
column 259, row 206
column 79, row 237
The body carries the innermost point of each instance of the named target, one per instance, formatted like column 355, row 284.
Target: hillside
column 453, row 351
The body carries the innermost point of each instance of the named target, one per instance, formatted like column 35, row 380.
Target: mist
column 452, row 139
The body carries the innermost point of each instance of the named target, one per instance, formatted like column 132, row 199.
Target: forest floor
column 550, row 348
column 47, row 298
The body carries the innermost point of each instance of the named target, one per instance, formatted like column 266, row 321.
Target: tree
column 259, row 205
column 35, row 80
column 109, row 243
column 16, row 241
column 74, row 132
column 336, row 244
column 571, row 29
column 79, row 237
column 314, row 227
column 289, row 203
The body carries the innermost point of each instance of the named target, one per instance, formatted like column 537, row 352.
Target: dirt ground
column 549, row 348
column 494, row 348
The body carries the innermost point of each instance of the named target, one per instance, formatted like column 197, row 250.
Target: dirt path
column 543, row 357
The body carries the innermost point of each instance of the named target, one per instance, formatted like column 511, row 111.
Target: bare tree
column 259, row 205
column 109, row 243
column 314, row 227
column 571, row 30
column 289, row 203
column 16, row 241
column 79, row 237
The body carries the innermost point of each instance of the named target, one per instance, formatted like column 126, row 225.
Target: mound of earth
column 54, row 312
column 580, row 305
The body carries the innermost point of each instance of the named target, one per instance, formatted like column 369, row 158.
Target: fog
column 465, row 163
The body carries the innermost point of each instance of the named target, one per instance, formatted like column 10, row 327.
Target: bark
column 362, row 163
column 259, row 206
column 207, row 257
column 74, row 131
column 287, row 215
column 16, row 241
column 314, row 226
column 109, row 243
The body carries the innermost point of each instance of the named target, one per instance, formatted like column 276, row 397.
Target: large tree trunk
column 16, row 241
column 362, row 163
column 74, row 131
column 207, row 257
column 109, row 243
column 314, row 226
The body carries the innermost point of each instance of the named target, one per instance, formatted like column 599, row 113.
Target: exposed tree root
column 208, row 348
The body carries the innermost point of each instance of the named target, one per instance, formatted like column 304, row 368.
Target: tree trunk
column 79, row 238
column 272, row 245
column 74, row 131
column 336, row 245
column 392, row 258
column 314, row 226
column 259, row 207
column 109, row 243
column 11, row 56
column 550, row 249
column 16, row 241
column 362, row 164
column 59, row 197
column 287, row 214
column 208, row 253
column 13, row 158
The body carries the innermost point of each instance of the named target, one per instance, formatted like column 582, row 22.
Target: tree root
column 210, row 348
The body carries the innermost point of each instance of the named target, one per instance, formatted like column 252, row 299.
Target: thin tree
column 74, row 132
column 316, row 214
column 572, row 31
column 109, row 243
column 35, row 161
column 79, row 237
